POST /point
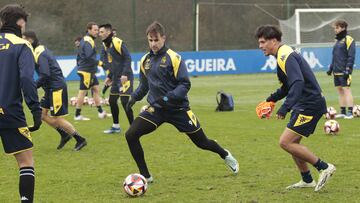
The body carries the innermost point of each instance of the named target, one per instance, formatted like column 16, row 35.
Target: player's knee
column 283, row 144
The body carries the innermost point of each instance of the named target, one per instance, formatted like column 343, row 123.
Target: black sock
column 77, row 112
column 306, row 177
column 320, row 165
column 62, row 133
column 343, row 110
column 350, row 109
column 27, row 184
column 104, row 89
column 77, row 137
column 200, row 140
column 99, row 109
column 114, row 107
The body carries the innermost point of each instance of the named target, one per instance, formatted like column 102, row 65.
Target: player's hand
column 37, row 121
column 347, row 72
column 281, row 113
column 123, row 79
column 329, row 72
column 264, row 109
column 108, row 82
column 162, row 101
column 130, row 103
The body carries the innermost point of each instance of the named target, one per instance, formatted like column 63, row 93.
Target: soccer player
column 165, row 78
column 121, row 76
column 16, row 76
column 342, row 66
column 87, row 67
column 55, row 99
column 303, row 97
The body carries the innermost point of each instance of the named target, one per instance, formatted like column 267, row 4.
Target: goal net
column 314, row 26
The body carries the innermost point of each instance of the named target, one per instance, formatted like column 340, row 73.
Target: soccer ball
column 73, row 101
column 356, row 111
column 144, row 108
column 86, row 100
column 331, row 127
column 135, row 185
column 331, row 112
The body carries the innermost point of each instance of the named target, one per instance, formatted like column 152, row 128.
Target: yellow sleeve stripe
column 348, row 41
column 283, row 53
column 17, row 40
column 90, row 40
column 142, row 63
column 117, row 44
column 175, row 60
column 38, row 50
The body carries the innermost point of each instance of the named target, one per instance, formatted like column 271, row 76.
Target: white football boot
column 301, row 184
column 231, row 162
column 81, row 118
column 325, row 176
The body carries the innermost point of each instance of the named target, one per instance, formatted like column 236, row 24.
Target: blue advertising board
column 220, row 62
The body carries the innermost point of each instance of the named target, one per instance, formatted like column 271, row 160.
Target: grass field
column 183, row 173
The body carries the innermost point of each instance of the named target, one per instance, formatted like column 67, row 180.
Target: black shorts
column 56, row 101
column 87, row 80
column 342, row 81
column 16, row 140
column 184, row 120
column 304, row 123
column 122, row 89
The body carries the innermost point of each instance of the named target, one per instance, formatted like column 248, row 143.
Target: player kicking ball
column 303, row 97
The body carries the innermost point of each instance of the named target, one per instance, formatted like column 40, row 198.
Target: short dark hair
column 268, row 32
column 106, row 26
column 32, row 35
column 11, row 13
column 155, row 27
column 341, row 23
column 90, row 25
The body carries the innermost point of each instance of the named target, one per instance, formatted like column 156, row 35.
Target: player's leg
column 113, row 101
column 27, row 175
column 129, row 112
column 79, row 104
column 307, row 180
column 349, row 101
column 340, row 83
column 138, row 128
column 70, row 130
column 200, row 140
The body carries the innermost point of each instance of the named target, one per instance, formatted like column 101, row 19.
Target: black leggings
column 142, row 127
column 115, row 108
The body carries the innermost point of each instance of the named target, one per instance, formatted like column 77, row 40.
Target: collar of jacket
column 14, row 29
column 160, row 52
column 108, row 40
column 90, row 36
column 341, row 35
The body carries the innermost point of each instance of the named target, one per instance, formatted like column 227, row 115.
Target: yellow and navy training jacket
column 104, row 58
column 298, row 83
column 119, row 60
column 16, row 76
column 163, row 74
column 343, row 55
column 48, row 70
column 86, row 58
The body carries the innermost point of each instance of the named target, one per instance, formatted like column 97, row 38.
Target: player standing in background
column 342, row 66
column 164, row 76
column 16, row 76
column 303, row 97
column 121, row 76
column 55, row 99
column 87, row 67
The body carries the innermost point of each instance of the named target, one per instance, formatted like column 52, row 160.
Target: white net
column 316, row 25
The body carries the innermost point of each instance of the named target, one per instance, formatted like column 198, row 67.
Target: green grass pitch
column 184, row 173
